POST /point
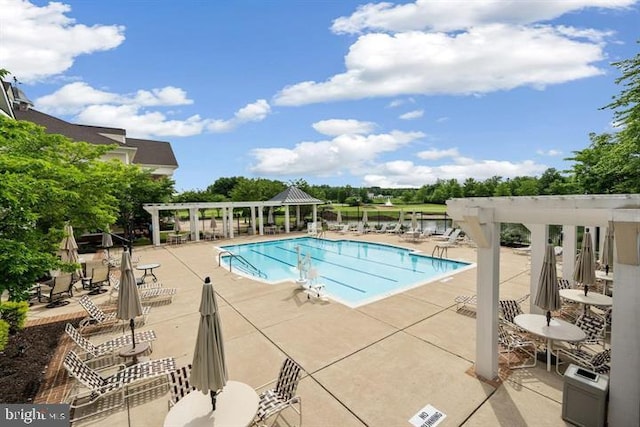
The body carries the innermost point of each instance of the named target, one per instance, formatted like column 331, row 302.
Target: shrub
column 15, row 314
column 4, row 334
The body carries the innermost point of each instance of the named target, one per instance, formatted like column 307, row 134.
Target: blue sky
column 394, row 94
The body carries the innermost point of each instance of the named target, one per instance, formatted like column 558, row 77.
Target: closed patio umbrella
column 214, row 224
column 606, row 254
column 209, row 369
column 68, row 249
column 585, row 269
column 414, row 221
column 177, row 227
column 107, row 241
column 365, row 217
column 129, row 306
column 339, row 217
column 270, row 216
column 548, row 294
column 401, row 217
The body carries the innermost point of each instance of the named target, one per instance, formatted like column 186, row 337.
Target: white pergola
column 480, row 218
column 227, row 209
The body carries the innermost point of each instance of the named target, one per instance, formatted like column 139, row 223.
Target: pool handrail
column 242, row 259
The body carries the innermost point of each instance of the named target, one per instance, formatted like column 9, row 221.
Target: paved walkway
column 375, row 365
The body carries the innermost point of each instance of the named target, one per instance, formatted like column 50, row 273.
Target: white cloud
column 142, row 113
column 437, row 15
column 550, row 153
column 398, row 102
column 481, row 60
column 411, row 115
column 73, row 98
column 442, row 119
column 348, row 152
column 398, row 174
column 435, row 154
column 39, row 42
column 335, row 127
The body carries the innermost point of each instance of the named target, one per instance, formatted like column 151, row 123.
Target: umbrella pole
column 133, row 335
column 213, row 399
column 548, row 317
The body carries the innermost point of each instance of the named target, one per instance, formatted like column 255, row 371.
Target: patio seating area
column 415, row 343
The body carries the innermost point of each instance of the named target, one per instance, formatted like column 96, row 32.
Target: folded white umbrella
column 129, row 305
column 339, row 217
column 209, row 369
column 585, row 269
column 606, row 254
column 68, row 249
column 548, row 294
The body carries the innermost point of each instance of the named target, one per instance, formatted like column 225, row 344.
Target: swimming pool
column 354, row 273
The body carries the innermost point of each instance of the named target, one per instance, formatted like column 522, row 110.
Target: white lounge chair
column 383, row 228
column 444, row 236
column 395, row 230
column 344, row 230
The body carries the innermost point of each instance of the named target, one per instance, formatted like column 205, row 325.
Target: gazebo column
column 569, row 241
column 261, row 220
column 286, row 218
column 155, row 227
column 230, row 221
column 478, row 223
column 624, row 386
column 253, row 219
column 539, row 238
column 315, row 217
column 225, row 228
column 298, row 219
column 193, row 224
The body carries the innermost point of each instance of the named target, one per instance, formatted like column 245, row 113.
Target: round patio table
column 236, row 405
column 592, row 298
column 148, row 271
column 557, row 330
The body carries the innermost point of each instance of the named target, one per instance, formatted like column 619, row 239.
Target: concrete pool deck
column 375, row 365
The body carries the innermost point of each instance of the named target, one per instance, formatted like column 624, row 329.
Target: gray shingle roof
column 295, row 196
column 153, row 152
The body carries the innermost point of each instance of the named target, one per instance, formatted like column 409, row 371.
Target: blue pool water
column 353, row 272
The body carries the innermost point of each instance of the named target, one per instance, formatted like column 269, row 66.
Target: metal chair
column 514, row 343
column 596, row 362
column 179, row 385
column 54, row 292
column 594, row 327
column 274, row 401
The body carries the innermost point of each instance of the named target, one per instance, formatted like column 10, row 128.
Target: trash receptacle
column 584, row 400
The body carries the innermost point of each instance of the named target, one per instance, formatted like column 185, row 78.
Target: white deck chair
column 444, row 236
column 451, row 241
column 383, row 228
column 395, row 230
column 344, row 230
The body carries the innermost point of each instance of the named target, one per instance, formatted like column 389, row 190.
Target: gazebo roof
column 295, row 196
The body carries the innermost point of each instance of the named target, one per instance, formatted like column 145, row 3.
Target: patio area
column 375, row 365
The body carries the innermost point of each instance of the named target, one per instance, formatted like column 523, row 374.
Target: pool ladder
column 252, row 268
column 439, row 251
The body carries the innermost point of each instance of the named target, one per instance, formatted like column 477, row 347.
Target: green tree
column 45, row 181
column 611, row 164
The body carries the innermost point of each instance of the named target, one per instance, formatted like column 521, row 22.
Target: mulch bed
column 25, row 359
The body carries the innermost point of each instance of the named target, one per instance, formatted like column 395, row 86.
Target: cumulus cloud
column 435, row 154
column 481, row 60
column 411, row 115
column 351, row 152
column 335, row 127
column 39, row 42
column 397, row 174
column 450, row 16
column 143, row 113
column 550, row 153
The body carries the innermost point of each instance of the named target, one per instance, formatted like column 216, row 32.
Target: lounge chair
column 444, row 236
column 107, row 348
column 96, row 316
column 54, row 292
column 383, row 228
column 594, row 327
column 344, row 229
column 149, row 292
column 514, row 343
column 397, row 229
column 359, row 229
column 283, row 396
column 522, row 251
column 596, row 362
column 124, row 383
column 463, row 300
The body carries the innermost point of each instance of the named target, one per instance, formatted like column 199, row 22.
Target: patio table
column 236, row 405
column 557, row 330
column 148, row 271
column 592, row 298
column 607, row 280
